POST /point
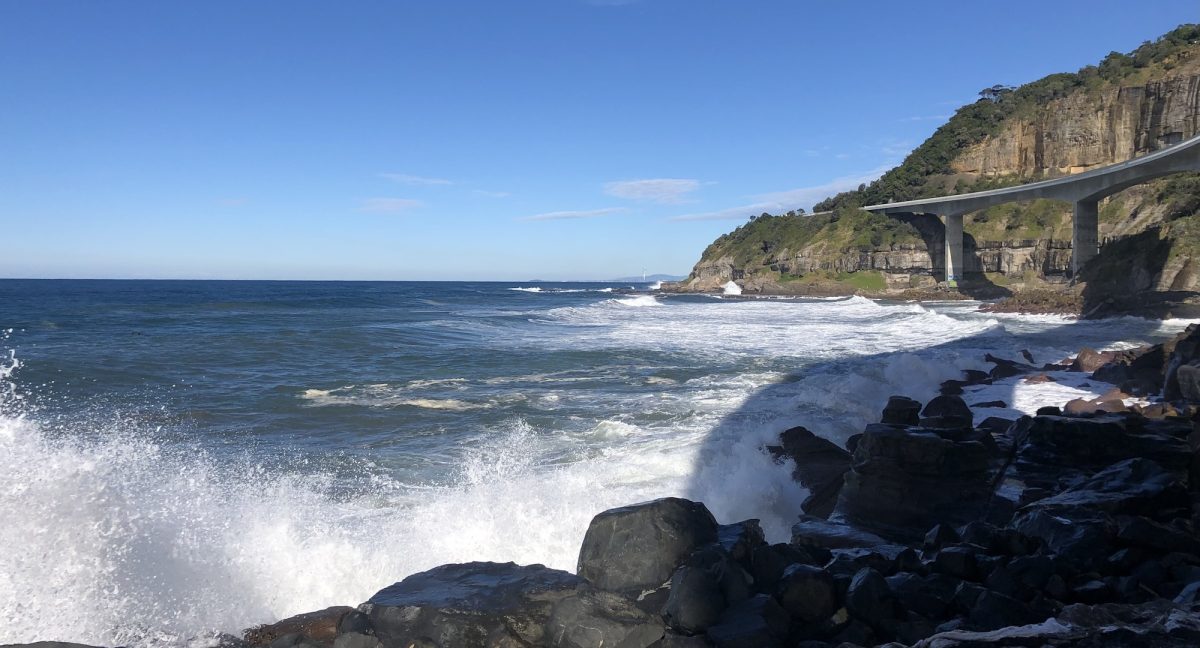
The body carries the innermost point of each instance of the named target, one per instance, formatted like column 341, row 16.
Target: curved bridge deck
column 1084, row 190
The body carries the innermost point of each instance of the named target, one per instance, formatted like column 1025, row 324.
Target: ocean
column 180, row 458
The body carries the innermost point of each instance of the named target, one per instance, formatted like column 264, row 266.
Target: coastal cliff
column 1127, row 106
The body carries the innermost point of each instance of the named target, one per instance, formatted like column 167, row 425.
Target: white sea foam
column 639, row 301
column 146, row 542
column 731, row 288
column 385, row 395
column 530, row 289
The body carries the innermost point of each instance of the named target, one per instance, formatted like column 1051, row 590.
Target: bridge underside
column 1084, row 191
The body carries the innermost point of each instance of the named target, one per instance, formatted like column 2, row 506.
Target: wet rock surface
column 926, row 530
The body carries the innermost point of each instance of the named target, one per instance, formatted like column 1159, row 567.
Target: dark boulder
column 947, row 411
column 1142, row 532
column 957, row 562
column 1007, row 368
column 814, row 533
column 472, row 604
column 807, row 593
column 358, row 640
column 1079, row 537
column 636, row 548
column 939, row 536
column 757, row 622
column 319, row 628
column 696, row 601
column 930, row 596
column 904, row 481
column 870, row 599
column 597, row 618
column 994, row 610
column 1187, row 382
column 820, row 465
column 901, row 410
column 739, row 540
column 771, row 561
column 1090, row 360
column 1133, row 486
column 1050, row 448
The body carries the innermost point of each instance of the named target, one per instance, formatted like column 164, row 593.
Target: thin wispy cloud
column 414, row 180
column 658, row 190
column 492, row 194
column 783, row 201
column 389, row 205
column 569, row 215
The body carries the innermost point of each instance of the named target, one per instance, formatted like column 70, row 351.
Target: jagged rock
column 357, row 640
column 1133, row 486
column 870, row 599
column 597, row 618
column 939, row 536
column 732, row 579
column 807, row 593
column 771, row 561
column 930, row 596
column 636, row 548
column 695, row 602
column 957, row 562
column 946, row 411
column 1187, row 382
column 976, row 377
column 816, row 533
column 1053, row 446
column 739, row 540
column 1007, row 368
column 994, row 610
column 1078, row 536
column 1142, row 532
column 472, row 604
column 820, row 465
column 886, row 559
column 355, row 622
column 757, row 622
column 903, row 481
column 901, row 410
column 1181, row 373
column 990, row 404
column 674, row 640
column 1090, row 359
column 318, row 628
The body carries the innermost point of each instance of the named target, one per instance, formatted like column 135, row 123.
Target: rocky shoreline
column 1074, row 527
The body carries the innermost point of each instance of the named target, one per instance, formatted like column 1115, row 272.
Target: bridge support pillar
column 1085, row 234
column 954, row 247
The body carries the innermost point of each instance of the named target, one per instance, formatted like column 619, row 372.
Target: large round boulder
column 636, row 548
column 479, row 604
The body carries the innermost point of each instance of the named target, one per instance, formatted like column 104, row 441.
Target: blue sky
column 558, row 139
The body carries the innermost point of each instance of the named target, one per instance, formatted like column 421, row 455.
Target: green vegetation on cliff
column 1126, row 105
column 974, row 122
column 845, row 230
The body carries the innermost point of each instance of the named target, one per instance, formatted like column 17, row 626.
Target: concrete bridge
column 1084, row 190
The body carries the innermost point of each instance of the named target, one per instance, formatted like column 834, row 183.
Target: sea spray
column 272, row 499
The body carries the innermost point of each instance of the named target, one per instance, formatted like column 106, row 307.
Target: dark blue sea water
column 184, row 457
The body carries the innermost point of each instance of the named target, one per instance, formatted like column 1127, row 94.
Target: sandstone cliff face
column 1089, row 129
column 1151, row 232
